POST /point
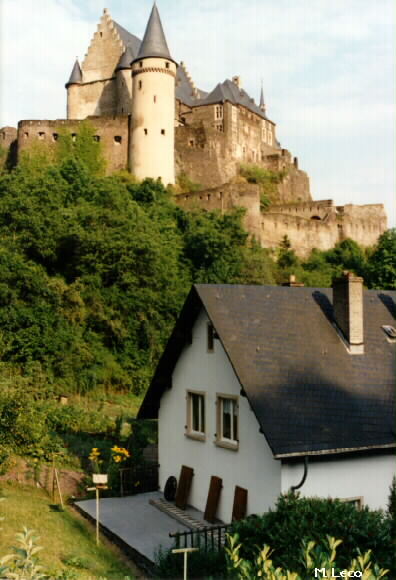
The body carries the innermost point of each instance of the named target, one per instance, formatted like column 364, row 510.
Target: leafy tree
column 382, row 262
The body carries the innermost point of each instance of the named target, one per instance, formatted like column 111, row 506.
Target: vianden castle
column 152, row 120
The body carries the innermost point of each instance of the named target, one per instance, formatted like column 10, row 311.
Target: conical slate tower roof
column 125, row 59
column 262, row 103
column 76, row 75
column 154, row 41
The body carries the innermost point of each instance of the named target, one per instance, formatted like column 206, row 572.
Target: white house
column 272, row 387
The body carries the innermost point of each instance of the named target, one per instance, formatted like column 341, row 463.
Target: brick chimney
column 293, row 282
column 348, row 310
column 237, row 81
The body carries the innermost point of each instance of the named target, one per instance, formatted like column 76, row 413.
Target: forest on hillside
column 94, row 269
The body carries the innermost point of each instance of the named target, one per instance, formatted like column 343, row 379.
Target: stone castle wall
column 8, row 146
column 315, row 224
column 112, row 132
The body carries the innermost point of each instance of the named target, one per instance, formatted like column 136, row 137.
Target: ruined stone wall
column 203, row 155
column 225, row 198
column 8, row 146
column 361, row 223
column 112, row 132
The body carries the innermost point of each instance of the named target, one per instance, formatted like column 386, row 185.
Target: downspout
column 304, row 477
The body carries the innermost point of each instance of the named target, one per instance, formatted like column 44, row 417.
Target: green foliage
column 315, row 558
column 22, row 563
column 312, row 519
column 83, row 149
column 184, row 184
column 382, row 262
column 201, row 564
column 267, row 179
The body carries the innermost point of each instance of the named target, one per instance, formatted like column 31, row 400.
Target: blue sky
column 327, row 67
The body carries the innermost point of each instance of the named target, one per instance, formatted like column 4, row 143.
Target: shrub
column 200, row 564
column 315, row 559
column 313, row 519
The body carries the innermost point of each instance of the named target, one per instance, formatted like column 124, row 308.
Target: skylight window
column 389, row 331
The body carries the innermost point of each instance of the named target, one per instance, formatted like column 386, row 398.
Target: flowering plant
column 94, row 458
column 119, row 454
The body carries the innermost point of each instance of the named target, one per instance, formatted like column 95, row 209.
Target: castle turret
column 124, row 82
column 262, row 103
column 72, row 91
column 153, row 106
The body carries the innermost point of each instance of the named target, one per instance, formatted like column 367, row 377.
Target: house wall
column 368, row 477
column 251, row 466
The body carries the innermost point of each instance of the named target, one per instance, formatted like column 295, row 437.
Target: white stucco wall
column 368, row 477
column 251, row 466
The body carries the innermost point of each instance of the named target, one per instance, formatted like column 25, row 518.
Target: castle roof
column 125, row 59
column 154, row 42
column 128, row 40
column 229, row 91
column 76, row 75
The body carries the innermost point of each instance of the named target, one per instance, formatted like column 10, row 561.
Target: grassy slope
column 63, row 535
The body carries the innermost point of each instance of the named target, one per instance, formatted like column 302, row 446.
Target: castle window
column 25, row 135
column 101, row 34
column 162, row 131
column 54, row 136
column 140, row 85
column 263, row 132
column 167, row 65
column 218, row 112
column 141, row 64
column 145, row 131
column 117, row 140
column 96, row 138
column 155, row 98
column 41, row 135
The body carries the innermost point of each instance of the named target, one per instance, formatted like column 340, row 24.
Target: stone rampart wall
column 112, row 132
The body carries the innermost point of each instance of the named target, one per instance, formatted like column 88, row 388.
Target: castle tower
column 124, row 82
column 152, row 152
column 73, row 100
column 262, row 103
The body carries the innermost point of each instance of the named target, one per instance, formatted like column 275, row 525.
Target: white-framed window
column 263, row 132
column 218, row 112
column 196, row 414
column 357, row 502
column 227, row 421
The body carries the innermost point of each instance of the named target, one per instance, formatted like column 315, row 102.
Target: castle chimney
column 348, row 309
column 237, row 81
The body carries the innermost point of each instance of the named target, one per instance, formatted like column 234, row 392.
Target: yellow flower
column 117, row 458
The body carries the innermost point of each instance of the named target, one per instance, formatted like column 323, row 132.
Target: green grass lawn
column 68, row 540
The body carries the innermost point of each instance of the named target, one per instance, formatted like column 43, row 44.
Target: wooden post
column 184, row 551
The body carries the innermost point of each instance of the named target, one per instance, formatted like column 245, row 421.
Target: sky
column 327, row 68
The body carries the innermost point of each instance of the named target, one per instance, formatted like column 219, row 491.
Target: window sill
column 196, row 436
column 227, row 444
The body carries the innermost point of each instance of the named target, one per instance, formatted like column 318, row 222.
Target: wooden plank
column 240, row 503
column 183, row 487
column 216, row 484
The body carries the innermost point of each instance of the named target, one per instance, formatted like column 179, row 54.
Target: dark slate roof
column 309, row 395
column 128, row 39
column 125, row 59
column 228, row 91
column 154, row 41
column 76, row 75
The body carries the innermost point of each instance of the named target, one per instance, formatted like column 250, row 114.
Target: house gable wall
column 344, row 478
column 252, row 466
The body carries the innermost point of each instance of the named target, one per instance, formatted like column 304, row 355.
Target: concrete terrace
column 138, row 525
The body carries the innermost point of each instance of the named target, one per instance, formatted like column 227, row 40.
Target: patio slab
column 136, row 522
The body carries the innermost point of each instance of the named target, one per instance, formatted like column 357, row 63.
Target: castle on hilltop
column 152, row 120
